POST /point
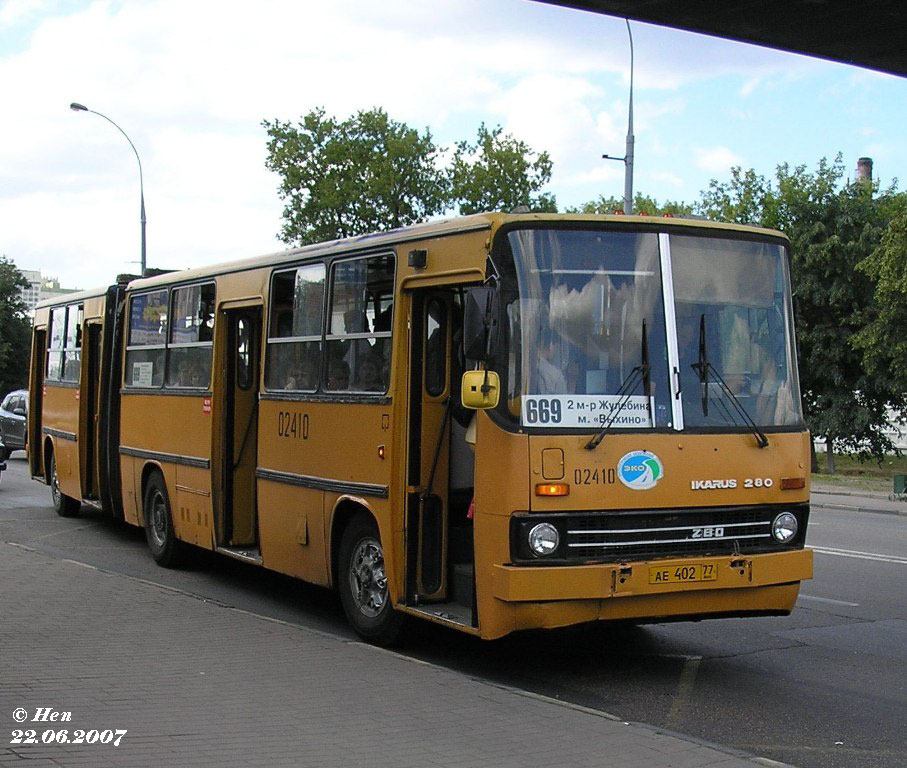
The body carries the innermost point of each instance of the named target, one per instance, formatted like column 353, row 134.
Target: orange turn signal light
column 792, row 483
column 552, row 489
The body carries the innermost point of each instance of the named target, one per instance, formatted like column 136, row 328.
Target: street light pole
column 76, row 107
column 627, row 159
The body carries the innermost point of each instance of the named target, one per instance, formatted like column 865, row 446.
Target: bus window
column 147, row 339
column 244, row 341
column 294, row 332
column 361, row 315
column 72, row 351
column 435, row 348
column 732, row 308
column 57, row 337
column 64, row 356
column 191, row 337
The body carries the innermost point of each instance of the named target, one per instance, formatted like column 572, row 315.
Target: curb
column 856, row 508
column 830, row 490
column 863, row 501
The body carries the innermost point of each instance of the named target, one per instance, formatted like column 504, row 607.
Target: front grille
column 622, row 536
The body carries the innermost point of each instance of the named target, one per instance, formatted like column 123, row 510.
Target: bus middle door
column 239, row 531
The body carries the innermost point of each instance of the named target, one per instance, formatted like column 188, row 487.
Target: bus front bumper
column 681, row 578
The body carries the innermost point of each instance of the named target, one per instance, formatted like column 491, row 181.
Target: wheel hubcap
column 54, row 483
column 158, row 519
column 368, row 581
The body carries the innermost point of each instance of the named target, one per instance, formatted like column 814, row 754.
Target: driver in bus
column 549, row 378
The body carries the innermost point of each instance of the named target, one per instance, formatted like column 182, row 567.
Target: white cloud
column 716, row 159
column 190, row 83
column 15, row 11
column 750, row 86
column 670, row 179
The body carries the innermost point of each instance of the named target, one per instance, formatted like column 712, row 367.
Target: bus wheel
column 363, row 583
column 64, row 506
column 166, row 549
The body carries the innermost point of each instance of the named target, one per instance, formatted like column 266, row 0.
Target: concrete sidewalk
column 198, row 683
column 835, row 497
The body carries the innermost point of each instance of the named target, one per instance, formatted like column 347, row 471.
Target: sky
column 190, row 82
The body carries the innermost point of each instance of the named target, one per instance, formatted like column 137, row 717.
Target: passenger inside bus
column 338, row 375
column 303, row 375
column 368, row 375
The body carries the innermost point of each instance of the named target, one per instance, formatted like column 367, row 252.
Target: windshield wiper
column 704, row 369
column 639, row 373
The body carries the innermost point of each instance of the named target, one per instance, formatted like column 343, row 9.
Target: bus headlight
column 784, row 527
column 543, row 539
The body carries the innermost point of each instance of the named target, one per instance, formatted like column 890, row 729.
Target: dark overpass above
column 869, row 34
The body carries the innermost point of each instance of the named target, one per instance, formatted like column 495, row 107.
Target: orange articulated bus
column 497, row 422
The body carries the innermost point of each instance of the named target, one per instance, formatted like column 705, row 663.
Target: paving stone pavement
column 198, row 683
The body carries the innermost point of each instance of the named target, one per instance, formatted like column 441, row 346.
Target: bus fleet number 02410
column 293, row 424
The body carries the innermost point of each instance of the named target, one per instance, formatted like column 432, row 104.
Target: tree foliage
column 369, row 173
column 884, row 339
column 499, row 173
column 15, row 328
column 834, row 227
column 643, row 205
column 363, row 174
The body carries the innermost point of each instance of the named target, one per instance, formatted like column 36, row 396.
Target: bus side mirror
column 480, row 390
column 480, row 323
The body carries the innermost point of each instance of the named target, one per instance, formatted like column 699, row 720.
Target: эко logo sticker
column 640, row 470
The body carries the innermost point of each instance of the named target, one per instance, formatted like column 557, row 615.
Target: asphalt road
column 825, row 687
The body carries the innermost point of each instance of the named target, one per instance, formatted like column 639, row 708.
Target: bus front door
column 438, row 493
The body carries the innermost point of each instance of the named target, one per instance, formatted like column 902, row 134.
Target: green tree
column 499, row 173
column 643, row 205
column 364, row 174
column 746, row 198
column 15, row 328
column 884, row 339
column 833, row 227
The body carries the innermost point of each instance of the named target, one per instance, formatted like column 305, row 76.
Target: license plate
column 682, row 574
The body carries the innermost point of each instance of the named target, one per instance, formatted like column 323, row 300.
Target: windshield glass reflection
column 587, row 335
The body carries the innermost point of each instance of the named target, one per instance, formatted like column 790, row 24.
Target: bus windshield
column 603, row 325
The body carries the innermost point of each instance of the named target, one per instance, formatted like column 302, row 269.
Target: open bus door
column 89, row 402
column 36, row 404
column 237, row 515
column 439, row 570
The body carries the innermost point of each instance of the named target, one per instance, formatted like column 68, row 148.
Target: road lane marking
column 861, row 555
column 829, row 600
column 684, row 693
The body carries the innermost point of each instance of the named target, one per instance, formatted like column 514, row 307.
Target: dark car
column 13, row 419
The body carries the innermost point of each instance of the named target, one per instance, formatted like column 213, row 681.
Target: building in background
column 40, row 288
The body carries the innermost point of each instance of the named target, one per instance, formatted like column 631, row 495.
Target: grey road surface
column 825, row 687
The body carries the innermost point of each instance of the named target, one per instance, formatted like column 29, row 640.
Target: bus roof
column 434, row 229
column 73, row 297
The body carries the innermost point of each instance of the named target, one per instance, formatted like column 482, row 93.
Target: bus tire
column 166, row 549
column 64, row 506
column 362, row 581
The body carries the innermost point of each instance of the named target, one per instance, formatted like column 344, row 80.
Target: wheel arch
column 345, row 509
column 148, row 469
column 47, row 455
